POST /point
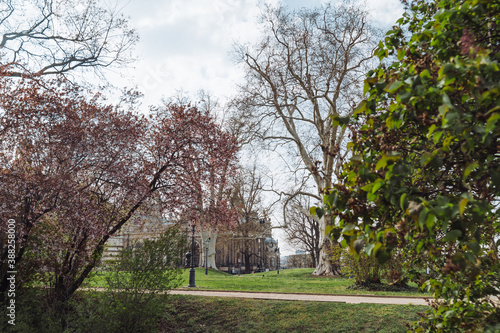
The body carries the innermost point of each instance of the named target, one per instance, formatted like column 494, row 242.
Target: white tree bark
column 324, row 266
column 308, row 69
column 212, row 235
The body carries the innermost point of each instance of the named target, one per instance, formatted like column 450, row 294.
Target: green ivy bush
column 424, row 177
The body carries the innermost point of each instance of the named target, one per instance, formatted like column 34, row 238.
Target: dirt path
column 304, row 297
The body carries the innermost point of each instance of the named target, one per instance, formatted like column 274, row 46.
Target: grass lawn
column 297, row 280
column 218, row 314
column 213, row 314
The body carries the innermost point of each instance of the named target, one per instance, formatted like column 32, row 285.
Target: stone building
column 248, row 248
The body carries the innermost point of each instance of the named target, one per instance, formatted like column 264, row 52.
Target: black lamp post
column 206, row 255
column 191, row 271
column 278, row 259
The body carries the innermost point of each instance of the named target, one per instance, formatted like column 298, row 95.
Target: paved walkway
column 303, row 297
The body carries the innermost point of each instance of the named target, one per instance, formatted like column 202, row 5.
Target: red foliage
column 75, row 170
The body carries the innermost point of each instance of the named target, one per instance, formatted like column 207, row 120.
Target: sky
column 185, row 47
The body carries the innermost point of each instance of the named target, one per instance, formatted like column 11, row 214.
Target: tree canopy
column 308, row 66
column 75, row 170
column 425, row 171
column 56, row 37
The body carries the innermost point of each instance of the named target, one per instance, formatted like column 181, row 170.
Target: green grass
column 213, row 314
column 218, row 314
column 297, row 280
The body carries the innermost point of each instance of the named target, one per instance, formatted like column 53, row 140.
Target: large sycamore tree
column 425, row 171
column 308, row 67
column 74, row 171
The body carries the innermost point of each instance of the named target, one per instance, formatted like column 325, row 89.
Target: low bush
column 129, row 303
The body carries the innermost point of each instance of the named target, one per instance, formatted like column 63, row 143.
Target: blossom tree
column 207, row 183
column 74, row 171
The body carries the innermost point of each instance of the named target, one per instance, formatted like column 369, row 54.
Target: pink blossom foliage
column 73, row 172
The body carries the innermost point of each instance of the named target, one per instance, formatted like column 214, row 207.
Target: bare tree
column 307, row 69
column 303, row 229
column 299, row 261
column 253, row 223
column 58, row 36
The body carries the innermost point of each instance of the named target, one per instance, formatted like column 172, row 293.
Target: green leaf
column 469, row 168
column 474, row 246
column 312, row 211
column 358, row 245
column 422, row 218
column 361, row 107
column 419, row 246
column 328, row 229
column 429, row 222
column 393, row 87
column 369, row 249
column 436, row 137
column 381, row 163
column 461, row 205
column 447, row 101
column 319, row 212
column 452, row 235
column 377, row 185
column 335, row 120
column 371, row 196
column 401, row 54
column 349, row 229
column 492, row 120
column 367, row 187
column 402, row 201
column 431, row 130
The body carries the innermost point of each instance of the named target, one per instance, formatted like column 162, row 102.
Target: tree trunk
column 205, row 234
column 325, row 265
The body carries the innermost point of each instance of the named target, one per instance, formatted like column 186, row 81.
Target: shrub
column 365, row 270
column 131, row 302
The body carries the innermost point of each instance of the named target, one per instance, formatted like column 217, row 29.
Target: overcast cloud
column 185, row 44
